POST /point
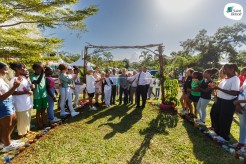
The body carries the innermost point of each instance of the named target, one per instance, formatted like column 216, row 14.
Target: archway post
column 161, row 59
column 85, row 62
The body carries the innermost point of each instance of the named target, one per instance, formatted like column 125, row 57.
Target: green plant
column 171, row 91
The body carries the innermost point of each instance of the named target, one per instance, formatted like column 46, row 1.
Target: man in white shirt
column 133, row 81
column 141, row 89
column 114, row 79
column 148, row 81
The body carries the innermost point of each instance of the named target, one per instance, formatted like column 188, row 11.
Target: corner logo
column 229, row 9
column 233, row 11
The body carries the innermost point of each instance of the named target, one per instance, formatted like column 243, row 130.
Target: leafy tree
column 21, row 20
column 45, row 13
column 205, row 47
column 96, row 59
column 135, row 65
column 240, row 59
column 127, row 63
column 180, row 62
column 68, row 57
column 229, row 38
column 210, row 49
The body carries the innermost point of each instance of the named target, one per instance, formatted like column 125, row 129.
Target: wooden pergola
column 159, row 52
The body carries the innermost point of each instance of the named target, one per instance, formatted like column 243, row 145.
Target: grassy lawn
column 121, row 134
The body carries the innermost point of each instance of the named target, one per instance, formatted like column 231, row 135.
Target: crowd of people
column 130, row 87
column 23, row 92
column 229, row 94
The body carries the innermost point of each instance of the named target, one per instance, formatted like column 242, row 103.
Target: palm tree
column 146, row 57
column 107, row 56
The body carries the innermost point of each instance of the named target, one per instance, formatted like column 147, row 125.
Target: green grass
column 121, row 134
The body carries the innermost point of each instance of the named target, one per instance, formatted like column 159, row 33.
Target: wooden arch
column 146, row 47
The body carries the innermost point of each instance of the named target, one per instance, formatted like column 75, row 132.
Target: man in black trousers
column 141, row 82
column 114, row 78
column 148, row 81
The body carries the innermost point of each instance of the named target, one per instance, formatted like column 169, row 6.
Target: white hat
column 90, row 69
column 70, row 67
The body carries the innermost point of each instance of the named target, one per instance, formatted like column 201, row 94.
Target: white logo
column 233, row 11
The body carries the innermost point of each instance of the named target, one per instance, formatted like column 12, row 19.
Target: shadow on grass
column 156, row 126
column 236, row 121
column 204, row 148
column 114, row 112
column 125, row 124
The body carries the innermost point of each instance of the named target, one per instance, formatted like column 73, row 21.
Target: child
column 65, row 91
column 22, row 99
column 227, row 92
column 242, row 76
column 206, row 93
column 107, row 82
column 186, row 92
column 195, row 93
column 39, row 94
column 90, row 86
column 50, row 85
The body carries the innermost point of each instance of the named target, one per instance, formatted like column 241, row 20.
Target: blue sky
column 139, row 22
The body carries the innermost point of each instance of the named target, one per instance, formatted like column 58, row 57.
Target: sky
column 140, row 22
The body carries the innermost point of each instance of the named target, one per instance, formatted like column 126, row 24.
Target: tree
column 241, row 58
column 19, row 42
column 210, row 49
column 229, row 38
column 135, row 65
column 96, row 58
column 146, row 57
column 107, row 56
column 127, row 63
column 68, row 57
column 205, row 47
column 21, row 20
column 45, row 13
column 180, row 62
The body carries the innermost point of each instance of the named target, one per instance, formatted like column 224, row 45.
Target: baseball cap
column 70, row 67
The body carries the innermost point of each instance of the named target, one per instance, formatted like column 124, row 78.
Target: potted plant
column 171, row 88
